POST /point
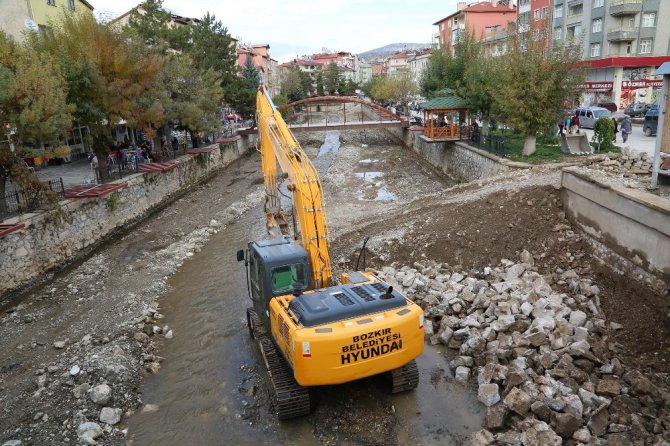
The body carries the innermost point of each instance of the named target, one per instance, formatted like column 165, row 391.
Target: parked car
column 611, row 106
column 650, row 125
column 637, row 109
column 589, row 115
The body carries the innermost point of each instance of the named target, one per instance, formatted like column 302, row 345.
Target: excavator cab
column 276, row 267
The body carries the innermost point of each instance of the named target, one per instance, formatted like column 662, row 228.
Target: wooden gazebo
column 444, row 115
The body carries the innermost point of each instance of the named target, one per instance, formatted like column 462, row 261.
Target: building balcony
column 625, row 7
column 625, row 34
column 575, row 3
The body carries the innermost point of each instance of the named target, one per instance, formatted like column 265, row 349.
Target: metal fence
column 496, row 145
column 18, row 201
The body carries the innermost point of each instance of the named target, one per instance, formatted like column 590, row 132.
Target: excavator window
column 285, row 278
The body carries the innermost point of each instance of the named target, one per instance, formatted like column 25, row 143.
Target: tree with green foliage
column 481, row 79
column 150, row 22
column 446, row 70
column 535, row 80
column 247, row 86
column 33, row 102
column 306, row 83
column 106, row 73
column 185, row 95
column 603, row 133
column 319, row 83
column 280, row 100
column 212, row 47
column 332, row 79
column 292, row 85
column 349, row 87
column 251, row 73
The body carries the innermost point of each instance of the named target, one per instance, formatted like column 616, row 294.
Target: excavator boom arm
column 278, row 145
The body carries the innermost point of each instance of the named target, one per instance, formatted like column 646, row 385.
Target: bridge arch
column 325, row 100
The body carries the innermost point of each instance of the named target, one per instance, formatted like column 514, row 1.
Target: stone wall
column 48, row 242
column 456, row 159
column 632, row 223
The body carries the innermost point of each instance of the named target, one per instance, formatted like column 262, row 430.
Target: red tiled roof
column 480, row 8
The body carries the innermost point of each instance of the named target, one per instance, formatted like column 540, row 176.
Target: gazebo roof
column 444, row 103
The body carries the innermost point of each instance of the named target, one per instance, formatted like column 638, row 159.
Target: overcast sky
column 296, row 27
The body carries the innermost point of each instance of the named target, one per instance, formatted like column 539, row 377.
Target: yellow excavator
column 311, row 330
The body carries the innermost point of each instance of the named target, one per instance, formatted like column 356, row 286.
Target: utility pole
column 663, row 128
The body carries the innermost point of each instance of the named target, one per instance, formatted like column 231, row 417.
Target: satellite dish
column 31, row 25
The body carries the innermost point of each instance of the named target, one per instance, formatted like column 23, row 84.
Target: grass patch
column 548, row 150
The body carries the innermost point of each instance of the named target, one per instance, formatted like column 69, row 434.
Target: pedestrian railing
column 19, row 201
column 496, row 145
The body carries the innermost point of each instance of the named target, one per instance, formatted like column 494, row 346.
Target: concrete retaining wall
column 48, row 242
column 632, row 223
column 456, row 159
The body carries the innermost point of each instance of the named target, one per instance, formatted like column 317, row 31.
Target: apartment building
column 396, row 62
column 418, row 63
column 364, row 72
column 623, row 42
column 19, row 16
column 481, row 18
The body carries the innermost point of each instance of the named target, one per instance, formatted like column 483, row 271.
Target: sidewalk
column 77, row 172
column 637, row 141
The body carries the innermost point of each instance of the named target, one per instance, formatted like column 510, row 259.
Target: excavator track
column 405, row 377
column 290, row 399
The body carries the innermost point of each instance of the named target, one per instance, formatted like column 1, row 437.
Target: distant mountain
column 390, row 49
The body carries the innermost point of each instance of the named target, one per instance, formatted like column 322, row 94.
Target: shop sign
column 596, row 86
column 643, row 83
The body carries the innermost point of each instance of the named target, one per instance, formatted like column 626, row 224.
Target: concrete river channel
column 211, row 388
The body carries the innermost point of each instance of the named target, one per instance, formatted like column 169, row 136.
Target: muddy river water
column 211, row 388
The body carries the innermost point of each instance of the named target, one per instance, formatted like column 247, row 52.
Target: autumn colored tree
column 33, row 101
column 106, row 74
column 397, row 88
column 535, row 80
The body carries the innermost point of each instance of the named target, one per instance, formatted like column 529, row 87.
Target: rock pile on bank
column 541, row 358
column 628, row 163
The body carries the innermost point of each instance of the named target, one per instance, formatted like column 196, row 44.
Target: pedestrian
column 616, row 129
column 475, row 131
column 94, row 161
column 575, row 124
column 561, row 124
column 626, row 128
column 568, row 125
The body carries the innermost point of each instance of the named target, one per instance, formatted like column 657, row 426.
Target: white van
column 589, row 115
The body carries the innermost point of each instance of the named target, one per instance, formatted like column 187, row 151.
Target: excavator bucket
column 576, row 144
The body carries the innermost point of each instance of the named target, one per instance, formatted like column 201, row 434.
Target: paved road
column 636, row 140
column 77, row 172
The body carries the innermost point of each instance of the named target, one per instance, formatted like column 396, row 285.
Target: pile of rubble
column 542, row 359
column 628, row 163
